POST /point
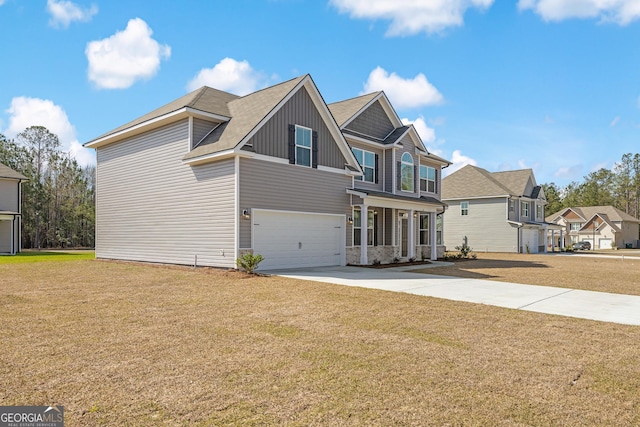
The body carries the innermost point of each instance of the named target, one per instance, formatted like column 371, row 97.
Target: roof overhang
column 211, row 157
column 394, row 201
column 173, row 116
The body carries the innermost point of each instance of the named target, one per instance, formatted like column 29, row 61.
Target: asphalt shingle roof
column 609, row 212
column 342, row 111
column 7, row 172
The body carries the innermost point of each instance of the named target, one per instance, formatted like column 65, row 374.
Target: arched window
column 406, row 172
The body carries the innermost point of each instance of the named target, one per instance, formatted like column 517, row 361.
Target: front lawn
column 46, row 256
column 132, row 344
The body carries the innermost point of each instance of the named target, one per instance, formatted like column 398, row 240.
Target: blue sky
column 553, row 85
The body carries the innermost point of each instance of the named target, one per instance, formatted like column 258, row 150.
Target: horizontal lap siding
column 9, row 195
column 486, row 227
column 151, row 207
column 268, row 185
column 5, row 236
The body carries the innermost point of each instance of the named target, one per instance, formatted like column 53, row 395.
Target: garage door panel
column 289, row 240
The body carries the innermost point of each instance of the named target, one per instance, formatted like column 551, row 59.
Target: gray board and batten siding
column 272, row 138
column 152, row 207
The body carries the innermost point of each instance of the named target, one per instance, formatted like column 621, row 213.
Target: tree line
column 618, row 187
column 58, row 200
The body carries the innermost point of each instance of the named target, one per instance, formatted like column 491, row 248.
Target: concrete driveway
column 606, row 307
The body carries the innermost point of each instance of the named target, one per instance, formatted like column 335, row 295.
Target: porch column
column 13, row 237
column 364, row 225
column 546, row 239
column 561, row 242
column 411, row 238
column 433, row 236
column 553, row 240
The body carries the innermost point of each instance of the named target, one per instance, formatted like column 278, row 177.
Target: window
column 428, row 179
column 367, row 160
column 438, row 229
column 424, row 229
column 539, row 211
column 524, row 210
column 357, row 227
column 303, row 146
column 575, row 226
column 464, row 208
column 406, row 172
column 512, row 205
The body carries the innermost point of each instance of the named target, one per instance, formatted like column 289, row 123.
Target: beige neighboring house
column 10, row 210
column 495, row 211
column 605, row 227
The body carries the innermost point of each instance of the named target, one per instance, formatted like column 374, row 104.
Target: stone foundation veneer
column 386, row 254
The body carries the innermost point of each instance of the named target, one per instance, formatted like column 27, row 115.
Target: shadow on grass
column 472, row 269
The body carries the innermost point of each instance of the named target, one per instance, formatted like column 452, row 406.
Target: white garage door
column 291, row 240
column 604, row 244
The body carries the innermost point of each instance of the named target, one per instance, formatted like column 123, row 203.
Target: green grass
column 28, row 257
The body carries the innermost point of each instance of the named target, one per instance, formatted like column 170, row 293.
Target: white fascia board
column 361, row 140
column 388, row 108
column 282, row 161
column 156, row 122
column 209, row 158
column 477, row 197
column 384, row 202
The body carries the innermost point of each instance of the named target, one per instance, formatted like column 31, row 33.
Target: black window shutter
column 435, row 190
column 375, row 171
column 399, row 175
column 416, row 179
column 314, row 149
column 292, row 144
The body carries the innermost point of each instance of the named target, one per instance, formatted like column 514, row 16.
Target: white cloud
column 568, row 172
column 64, row 12
column 25, row 112
column 621, row 12
column 459, row 161
column 232, row 76
column 615, row 121
column 403, row 93
column 118, row 61
column 410, row 17
column 427, row 134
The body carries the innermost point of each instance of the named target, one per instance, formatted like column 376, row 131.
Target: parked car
column 582, row 246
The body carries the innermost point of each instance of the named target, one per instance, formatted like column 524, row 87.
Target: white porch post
column 433, row 236
column 411, row 240
column 561, row 245
column 364, row 225
column 546, row 239
column 13, row 237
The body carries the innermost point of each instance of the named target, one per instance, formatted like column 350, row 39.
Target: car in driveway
column 582, row 246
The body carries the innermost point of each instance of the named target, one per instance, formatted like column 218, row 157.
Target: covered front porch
column 388, row 228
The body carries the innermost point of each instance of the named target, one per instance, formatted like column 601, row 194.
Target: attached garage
column 296, row 239
column 530, row 240
column 605, row 244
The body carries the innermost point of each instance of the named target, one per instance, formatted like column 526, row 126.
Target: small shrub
column 396, row 260
column 464, row 249
column 412, row 259
column 249, row 262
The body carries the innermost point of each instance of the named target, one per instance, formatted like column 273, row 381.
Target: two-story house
column 212, row 175
column 10, row 210
column 604, row 227
column 495, row 211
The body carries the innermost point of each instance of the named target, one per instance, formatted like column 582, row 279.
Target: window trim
column 426, row 179
column 464, row 208
column 410, row 166
column 371, row 219
column 421, row 229
column 524, row 209
column 539, row 211
column 364, row 166
column 309, row 148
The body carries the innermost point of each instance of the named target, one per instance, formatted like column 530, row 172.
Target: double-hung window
column 357, row 227
column 464, row 208
column 303, row 146
column 539, row 212
column 424, row 229
column 406, row 172
column 575, row 226
column 524, row 211
column 427, row 179
column 367, row 161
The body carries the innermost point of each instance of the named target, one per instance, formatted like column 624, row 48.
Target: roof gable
column 519, row 182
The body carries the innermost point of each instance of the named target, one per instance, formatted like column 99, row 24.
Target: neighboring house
column 10, row 210
column 604, row 227
column 495, row 211
column 211, row 176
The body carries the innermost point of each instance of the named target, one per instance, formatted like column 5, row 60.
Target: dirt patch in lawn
column 129, row 344
column 565, row 271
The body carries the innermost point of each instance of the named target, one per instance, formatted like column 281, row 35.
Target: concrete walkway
column 606, row 307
